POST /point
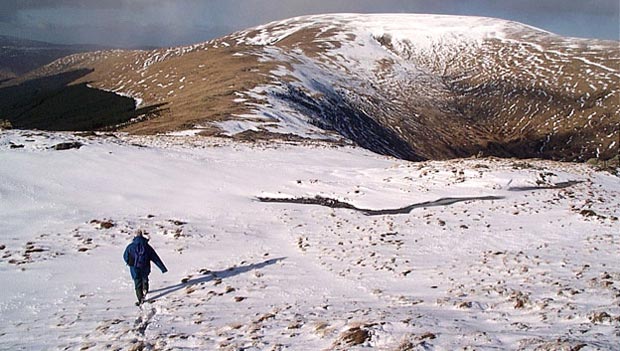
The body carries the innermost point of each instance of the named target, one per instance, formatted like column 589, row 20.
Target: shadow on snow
column 227, row 273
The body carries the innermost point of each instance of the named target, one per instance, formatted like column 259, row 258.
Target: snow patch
column 137, row 100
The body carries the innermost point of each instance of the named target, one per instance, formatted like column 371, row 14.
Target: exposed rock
column 67, row 145
column 600, row 317
column 427, row 335
column 354, row 336
column 333, row 203
column 466, row 304
column 102, row 224
column 587, row 213
column 177, row 222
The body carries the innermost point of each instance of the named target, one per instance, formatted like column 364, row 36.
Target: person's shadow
column 230, row 272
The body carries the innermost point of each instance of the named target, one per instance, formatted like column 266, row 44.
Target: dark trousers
column 142, row 288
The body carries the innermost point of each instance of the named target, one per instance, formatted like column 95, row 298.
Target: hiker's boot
column 140, row 296
column 145, row 290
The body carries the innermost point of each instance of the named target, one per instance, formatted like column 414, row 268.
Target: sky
column 130, row 23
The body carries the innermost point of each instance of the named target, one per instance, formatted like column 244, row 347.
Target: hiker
column 138, row 256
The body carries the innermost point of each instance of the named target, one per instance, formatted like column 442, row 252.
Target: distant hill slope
column 411, row 86
column 19, row 56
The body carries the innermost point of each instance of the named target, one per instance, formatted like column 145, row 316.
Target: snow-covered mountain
column 491, row 253
column 412, row 86
column 306, row 241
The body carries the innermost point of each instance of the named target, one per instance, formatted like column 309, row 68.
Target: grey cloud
column 264, row 7
column 172, row 22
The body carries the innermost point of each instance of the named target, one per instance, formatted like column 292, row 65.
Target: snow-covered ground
column 537, row 269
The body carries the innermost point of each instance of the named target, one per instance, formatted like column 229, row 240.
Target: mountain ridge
column 411, row 86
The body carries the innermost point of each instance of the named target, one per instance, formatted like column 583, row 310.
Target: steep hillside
column 411, row 86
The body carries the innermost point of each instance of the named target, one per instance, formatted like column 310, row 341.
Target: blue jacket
column 139, row 273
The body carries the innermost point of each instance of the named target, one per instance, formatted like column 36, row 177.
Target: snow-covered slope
column 535, row 268
column 444, row 85
column 412, row 86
